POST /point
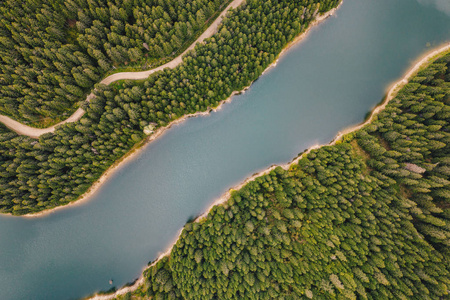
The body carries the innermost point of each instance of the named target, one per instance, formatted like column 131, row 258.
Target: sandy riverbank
column 129, row 156
column 422, row 62
column 135, row 151
column 227, row 195
column 33, row 132
column 303, row 35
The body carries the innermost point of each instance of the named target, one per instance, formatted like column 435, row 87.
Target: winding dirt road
column 36, row 132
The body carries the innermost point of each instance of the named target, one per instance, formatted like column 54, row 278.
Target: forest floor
column 23, row 129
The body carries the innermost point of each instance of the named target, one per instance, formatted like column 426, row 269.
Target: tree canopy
column 58, row 167
column 53, row 53
column 367, row 218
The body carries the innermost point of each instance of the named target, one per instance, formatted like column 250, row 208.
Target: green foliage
column 342, row 224
column 57, row 168
column 53, row 54
column 367, row 218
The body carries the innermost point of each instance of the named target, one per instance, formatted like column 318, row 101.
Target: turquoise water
column 326, row 83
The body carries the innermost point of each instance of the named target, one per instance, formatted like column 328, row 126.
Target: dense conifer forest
column 367, row 218
column 54, row 52
column 58, row 167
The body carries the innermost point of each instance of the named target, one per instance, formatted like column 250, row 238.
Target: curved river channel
column 320, row 86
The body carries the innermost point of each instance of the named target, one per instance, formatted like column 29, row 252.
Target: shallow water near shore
column 320, row 86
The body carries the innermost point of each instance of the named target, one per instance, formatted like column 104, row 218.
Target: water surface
column 326, row 83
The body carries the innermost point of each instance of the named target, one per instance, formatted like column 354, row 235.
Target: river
column 320, row 86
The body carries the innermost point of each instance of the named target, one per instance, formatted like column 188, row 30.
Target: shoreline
column 137, row 149
column 160, row 131
column 140, row 280
column 34, row 132
column 319, row 19
column 423, row 61
column 129, row 156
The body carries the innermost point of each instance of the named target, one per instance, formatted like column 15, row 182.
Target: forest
column 366, row 218
column 53, row 53
column 59, row 167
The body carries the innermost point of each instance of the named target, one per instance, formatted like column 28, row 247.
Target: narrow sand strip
column 160, row 131
column 224, row 197
column 36, row 132
column 390, row 95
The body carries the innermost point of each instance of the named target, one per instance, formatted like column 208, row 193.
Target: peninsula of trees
column 366, row 218
column 53, row 68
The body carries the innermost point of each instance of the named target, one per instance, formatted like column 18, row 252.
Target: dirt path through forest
column 23, row 129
